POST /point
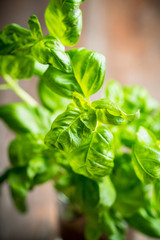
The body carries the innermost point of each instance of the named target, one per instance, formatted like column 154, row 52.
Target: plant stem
column 20, row 92
column 4, row 87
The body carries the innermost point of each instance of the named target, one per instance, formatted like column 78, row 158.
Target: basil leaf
column 51, row 100
column 156, row 196
column 17, row 67
column 92, row 232
column 19, row 184
column 89, row 69
column 23, row 118
column 108, row 112
column 146, row 156
column 14, row 33
column 49, row 50
column 95, row 157
column 68, row 130
column 20, row 154
column 64, row 20
column 145, row 222
column 60, row 82
column 114, row 92
column 130, row 194
column 35, row 27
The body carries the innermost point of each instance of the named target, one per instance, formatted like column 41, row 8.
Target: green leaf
column 17, row 67
column 156, row 196
column 108, row 112
column 64, row 20
column 14, row 33
column 60, row 82
column 23, row 118
column 114, row 92
column 51, row 100
column 89, row 69
column 35, row 27
column 130, row 190
column 145, row 222
column 68, row 130
column 107, row 193
column 20, row 154
column 19, row 184
column 146, row 156
column 49, row 50
column 95, row 157
column 93, row 196
column 92, row 232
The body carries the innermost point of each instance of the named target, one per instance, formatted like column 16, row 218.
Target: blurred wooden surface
column 128, row 34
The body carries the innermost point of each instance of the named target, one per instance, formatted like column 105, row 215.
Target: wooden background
column 128, row 34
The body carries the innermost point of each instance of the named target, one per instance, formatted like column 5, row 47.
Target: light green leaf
column 89, row 69
column 108, row 112
column 35, row 27
column 23, row 118
column 68, row 130
column 60, row 82
column 51, row 100
column 114, row 92
column 64, row 20
column 146, row 156
column 95, row 157
column 14, row 33
column 17, row 67
column 49, row 50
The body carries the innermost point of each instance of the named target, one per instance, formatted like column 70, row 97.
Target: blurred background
column 128, row 34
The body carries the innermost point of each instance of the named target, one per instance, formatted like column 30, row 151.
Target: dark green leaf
column 145, row 222
column 156, row 196
column 23, row 118
column 35, row 27
column 95, row 157
column 130, row 190
column 64, row 20
column 146, row 156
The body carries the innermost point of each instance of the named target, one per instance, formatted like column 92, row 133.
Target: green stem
column 4, row 87
column 20, row 92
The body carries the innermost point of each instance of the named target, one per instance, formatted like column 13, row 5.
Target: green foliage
column 104, row 156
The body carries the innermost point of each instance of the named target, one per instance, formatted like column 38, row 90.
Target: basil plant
column 104, row 156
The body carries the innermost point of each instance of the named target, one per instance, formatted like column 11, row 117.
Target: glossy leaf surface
column 64, row 20
column 89, row 69
column 146, row 156
column 108, row 112
column 95, row 157
column 49, row 50
column 68, row 130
